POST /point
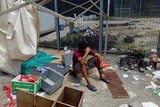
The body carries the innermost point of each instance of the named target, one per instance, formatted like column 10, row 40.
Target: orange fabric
column 104, row 65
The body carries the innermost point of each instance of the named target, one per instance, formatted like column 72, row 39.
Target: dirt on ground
column 102, row 97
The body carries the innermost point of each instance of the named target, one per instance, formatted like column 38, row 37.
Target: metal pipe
column 121, row 9
column 50, row 11
column 13, row 9
column 98, row 8
column 85, row 11
column 57, row 25
column 80, row 6
column 101, row 27
column 140, row 7
column 44, row 2
column 107, row 20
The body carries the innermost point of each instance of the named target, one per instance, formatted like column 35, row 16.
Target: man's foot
column 105, row 80
column 92, row 88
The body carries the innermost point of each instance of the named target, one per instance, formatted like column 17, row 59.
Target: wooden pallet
column 116, row 85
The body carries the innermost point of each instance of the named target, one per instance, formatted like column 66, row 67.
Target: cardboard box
column 28, row 86
column 71, row 96
column 27, row 99
column 51, row 80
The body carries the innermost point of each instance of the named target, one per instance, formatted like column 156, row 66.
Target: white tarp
column 23, row 32
column 19, row 33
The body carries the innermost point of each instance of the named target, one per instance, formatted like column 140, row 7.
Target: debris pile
column 136, row 62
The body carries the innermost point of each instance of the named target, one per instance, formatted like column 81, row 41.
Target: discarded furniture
column 27, row 99
column 69, row 97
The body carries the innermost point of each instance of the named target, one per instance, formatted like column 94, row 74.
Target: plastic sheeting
column 23, row 31
column 19, row 33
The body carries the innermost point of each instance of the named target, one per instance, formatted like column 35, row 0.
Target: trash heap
column 134, row 62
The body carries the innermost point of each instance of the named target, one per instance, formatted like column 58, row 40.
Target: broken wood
column 116, row 85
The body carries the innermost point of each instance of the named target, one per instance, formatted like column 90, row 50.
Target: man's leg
column 84, row 73
column 82, row 68
column 95, row 62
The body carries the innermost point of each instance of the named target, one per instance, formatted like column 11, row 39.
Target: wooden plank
column 27, row 99
column 60, row 104
column 71, row 97
column 24, row 99
column 43, row 102
column 116, row 85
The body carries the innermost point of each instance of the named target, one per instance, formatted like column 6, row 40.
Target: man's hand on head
column 88, row 49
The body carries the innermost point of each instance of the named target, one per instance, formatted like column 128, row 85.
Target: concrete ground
column 102, row 98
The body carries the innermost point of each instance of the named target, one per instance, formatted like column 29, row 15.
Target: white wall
column 47, row 21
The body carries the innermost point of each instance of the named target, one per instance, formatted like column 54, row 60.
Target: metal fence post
column 101, row 27
column 57, row 25
column 107, row 20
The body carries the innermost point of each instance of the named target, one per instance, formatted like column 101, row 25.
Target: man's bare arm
column 83, row 59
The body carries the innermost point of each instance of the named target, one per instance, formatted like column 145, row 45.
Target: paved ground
column 135, row 89
column 103, row 97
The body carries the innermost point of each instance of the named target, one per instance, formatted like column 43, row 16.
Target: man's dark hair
column 83, row 45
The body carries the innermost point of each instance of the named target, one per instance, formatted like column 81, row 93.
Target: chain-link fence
column 135, row 25
column 134, row 34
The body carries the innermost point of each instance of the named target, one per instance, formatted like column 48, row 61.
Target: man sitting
column 80, row 64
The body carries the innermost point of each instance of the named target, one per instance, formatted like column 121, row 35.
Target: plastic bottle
column 76, row 84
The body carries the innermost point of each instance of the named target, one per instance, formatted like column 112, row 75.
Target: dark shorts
column 89, row 65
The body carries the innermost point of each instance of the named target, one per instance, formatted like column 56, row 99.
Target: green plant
column 138, row 36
